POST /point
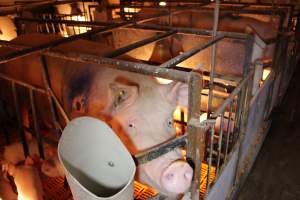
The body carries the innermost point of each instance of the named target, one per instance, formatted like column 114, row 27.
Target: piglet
column 27, row 180
column 6, row 192
column 14, row 153
column 51, row 166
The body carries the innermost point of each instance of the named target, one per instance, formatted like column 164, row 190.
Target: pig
column 7, row 28
column 27, row 180
column 14, row 153
column 51, row 166
column 137, row 107
column 6, row 191
column 230, row 52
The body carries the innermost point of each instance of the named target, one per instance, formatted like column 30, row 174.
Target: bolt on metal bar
column 178, row 59
column 157, row 151
column 138, row 44
column 35, row 123
column 220, row 144
column 213, row 56
column 19, row 119
column 228, row 130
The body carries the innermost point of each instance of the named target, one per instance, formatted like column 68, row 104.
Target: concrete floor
column 276, row 172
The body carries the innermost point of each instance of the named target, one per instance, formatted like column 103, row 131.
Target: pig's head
column 140, row 111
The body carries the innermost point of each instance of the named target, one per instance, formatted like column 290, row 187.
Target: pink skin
column 27, row 180
column 172, row 175
column 177, row 177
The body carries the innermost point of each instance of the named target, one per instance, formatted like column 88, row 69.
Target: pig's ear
column 78, row 106
column 123, row 95
column 177, row 93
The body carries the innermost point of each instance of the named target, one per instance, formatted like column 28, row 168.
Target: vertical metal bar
column 195, row 144
column 228, row 131
column 19, row 119
column 246, row 68
column 52, row 24
column 212, row 135
column 213, row 56
column 220, row 144
column 244, row 119
column 182, row 121
column 47, row 83
column 3, row 122
column 35, row 123
column 46, row 24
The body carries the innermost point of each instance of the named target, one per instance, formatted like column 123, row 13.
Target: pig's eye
column 121, row 96
column 131, row 125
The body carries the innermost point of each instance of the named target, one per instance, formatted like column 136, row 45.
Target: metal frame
column 196, row 130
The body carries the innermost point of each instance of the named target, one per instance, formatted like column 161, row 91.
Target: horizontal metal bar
column 22, row 83
column 48, row 45
column 194, row 31
column 232, row 95
column 57, row 42
column 136, row 67
column 138, row 44
column 67, row 22
column 157, row 151
column 115, row 64
column 18, row 8
column 13, row 8
column 178, row 59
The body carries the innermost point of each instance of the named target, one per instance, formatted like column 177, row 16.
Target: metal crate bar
column 115, row 63
column 22, row 83
column 196, row 136
column 67, row 22
column 178, row 59
column 42, row 47
column 186, row 30
column 138, row 44
column 19, row 119
column 57, row 42
column 235, row 92
column 213, row 56
column 125, row 65
column 35, row 123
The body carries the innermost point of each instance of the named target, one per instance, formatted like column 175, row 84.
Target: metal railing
column 203, row 143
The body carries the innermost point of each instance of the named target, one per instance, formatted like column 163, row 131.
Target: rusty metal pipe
column 178, row 59
column 138, row 44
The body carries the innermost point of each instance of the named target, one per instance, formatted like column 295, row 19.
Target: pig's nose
column 177, row 177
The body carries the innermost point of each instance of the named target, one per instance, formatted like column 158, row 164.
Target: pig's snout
column 177, row 177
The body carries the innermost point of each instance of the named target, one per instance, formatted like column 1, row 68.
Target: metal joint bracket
column 206, row 124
